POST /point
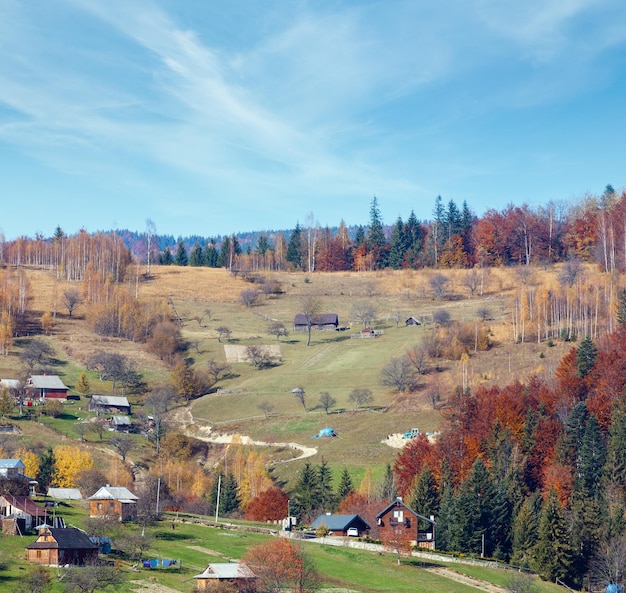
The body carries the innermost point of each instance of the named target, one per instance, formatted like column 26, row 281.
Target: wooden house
column 20, row 514
column 216, row 575
column 58, row 547
column 412, row 321
column 397, row 520
column 322, row 321
column 46, row 387
column 113, row 501
column 345, row 525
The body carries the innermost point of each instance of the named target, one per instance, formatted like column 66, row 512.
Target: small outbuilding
column 65, row 493
column 411, row 321
column 352, row 525
column 58, row 547
column 109, row 403
column 216, row 575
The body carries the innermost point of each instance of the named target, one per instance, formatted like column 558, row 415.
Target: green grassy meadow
column 195, row 545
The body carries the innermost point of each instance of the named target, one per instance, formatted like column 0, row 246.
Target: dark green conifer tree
column 326, row 494
column 525, row 530
column 166, row 258
column 211, row 255
column 615, row 464
column 398, row 245
column 345, row 484
column 586, row 356
column 425, row 499
column 388, row 490
column 196, row 258
column 305, row 498
column 445, row 518
column 180, row 259
column 414, row 238
column 359, row 238
column 294, row 248
column 46, row 469
column 224, row 256
column 553, row 555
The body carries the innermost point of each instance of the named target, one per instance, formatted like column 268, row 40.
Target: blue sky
column 212, row 117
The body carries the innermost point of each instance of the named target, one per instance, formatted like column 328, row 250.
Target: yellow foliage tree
column 30, row 460
column 47, row 322
column 68, row 461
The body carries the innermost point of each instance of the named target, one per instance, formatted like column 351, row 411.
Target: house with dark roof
column 345, row 525
column 113, row 501
column 398, row 520
column 46, row 387
column 216, row 575
column 322, row 321
column 58, row 547
column 20, row 514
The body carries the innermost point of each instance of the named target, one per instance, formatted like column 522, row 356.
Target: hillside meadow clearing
column 203, row 299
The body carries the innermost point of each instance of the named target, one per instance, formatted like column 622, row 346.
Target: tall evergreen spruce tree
column 586, row 355
column 414, row 240
column 388, row 489
column 345, row 484
column 445, row 518
column 326, row 495
column 306, row 496
column 398, row 245
column 180, row 259
column 525, row 530
column 222, row 260
column 425, row 500
column 294, row 248
column 196, row 258
column 166, row 258
column 211, row 255
column 615, row 465
column 553, row 555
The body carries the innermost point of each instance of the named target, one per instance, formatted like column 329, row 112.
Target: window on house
column 398, row 516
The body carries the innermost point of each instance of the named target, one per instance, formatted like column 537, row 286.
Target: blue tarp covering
column 325, row 432
column 612, row 588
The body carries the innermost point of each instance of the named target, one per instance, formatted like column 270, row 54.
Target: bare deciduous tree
column 278, row 329
column 216, row 369
column 300, row 395
column 360, row 396
column 123, row 444
column 71, row 299
column 398, row 373
column 310, row 307
column 364, row 313
column 249, row 297
column 419, row 359
column 439, row 285
column 266, row 408
column 223, row 332
column 327, row 401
